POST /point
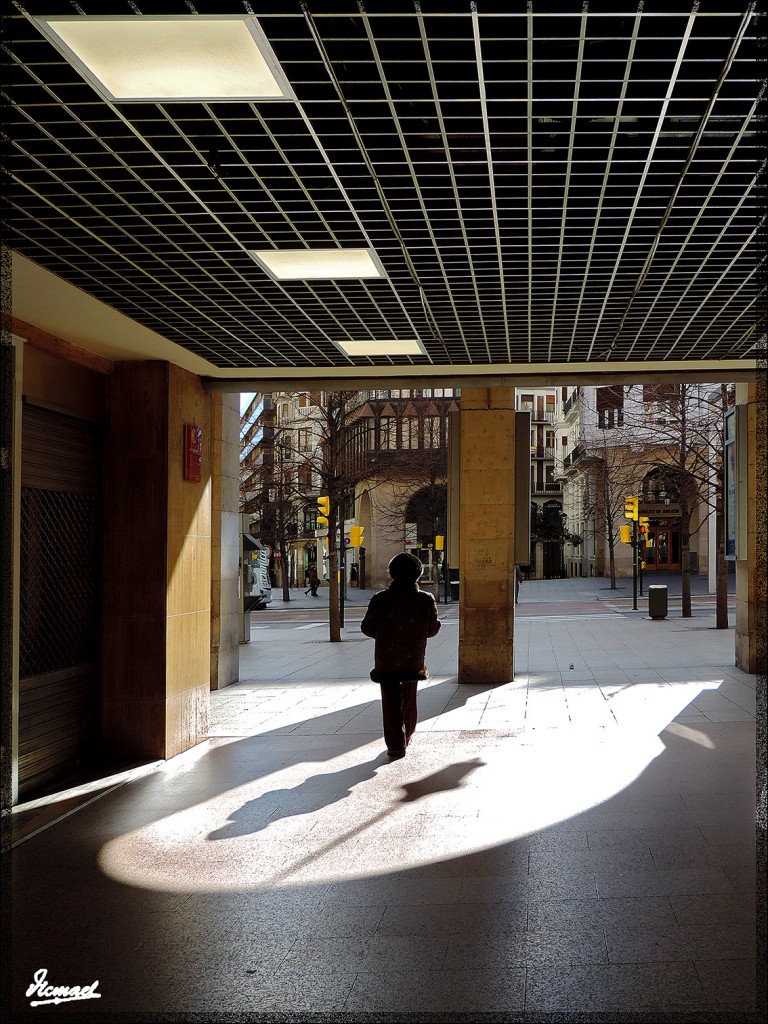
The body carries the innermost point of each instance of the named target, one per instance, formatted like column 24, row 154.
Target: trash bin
column 657, row 601
column 454, row 581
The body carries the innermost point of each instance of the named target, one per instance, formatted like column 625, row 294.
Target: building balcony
column 570, row 460
column 550, row 487
column 542, row 452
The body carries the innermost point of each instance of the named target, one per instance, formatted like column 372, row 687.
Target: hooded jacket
column 400, row 619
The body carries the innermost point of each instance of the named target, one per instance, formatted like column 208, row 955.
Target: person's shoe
column 395, row 754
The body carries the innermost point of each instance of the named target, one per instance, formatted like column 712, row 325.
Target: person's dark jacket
column 400, row 619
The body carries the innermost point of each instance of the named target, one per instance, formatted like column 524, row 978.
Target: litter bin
column 657, row 602
column 454, row 581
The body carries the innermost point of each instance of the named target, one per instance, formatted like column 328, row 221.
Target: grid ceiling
column 541, row 187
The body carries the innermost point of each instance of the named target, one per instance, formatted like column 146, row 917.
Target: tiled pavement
column 579, row 840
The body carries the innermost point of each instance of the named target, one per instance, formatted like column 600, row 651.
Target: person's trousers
column 399, row 712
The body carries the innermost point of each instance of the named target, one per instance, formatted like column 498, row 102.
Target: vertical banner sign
column 193, row 452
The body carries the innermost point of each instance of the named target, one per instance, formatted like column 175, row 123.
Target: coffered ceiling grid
column 539, row 186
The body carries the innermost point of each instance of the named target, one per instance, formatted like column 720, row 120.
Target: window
column 387, row 432
column 410, row 432
column 610, row 407
column 304, row 440
column 305, row 478
column 432, row 432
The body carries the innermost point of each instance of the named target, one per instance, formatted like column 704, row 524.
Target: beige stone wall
column 487, row 524
column 157, row 599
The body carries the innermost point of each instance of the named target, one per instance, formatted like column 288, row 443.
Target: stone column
column 751, row 571
column 487, row 524
column 225, row 539
column 157, row 550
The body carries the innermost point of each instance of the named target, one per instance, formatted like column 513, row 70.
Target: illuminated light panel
column 184, row 59
column 407, row 347
column 314, row 264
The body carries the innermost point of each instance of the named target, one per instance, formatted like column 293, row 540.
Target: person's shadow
column 451, row 777
column 313, row 793
column 328, row 788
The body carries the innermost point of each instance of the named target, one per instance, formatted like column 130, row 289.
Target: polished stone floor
column 578, row 840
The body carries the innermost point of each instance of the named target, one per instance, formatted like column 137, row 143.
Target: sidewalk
column 577, row 589
column 578, row 840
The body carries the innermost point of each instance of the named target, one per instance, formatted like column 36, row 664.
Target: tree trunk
column 285, row 568
column 334, row 609
column 721, row 588
column 609, row 535
column 685, row 560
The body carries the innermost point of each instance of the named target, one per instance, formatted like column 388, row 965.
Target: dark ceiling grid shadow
column 539, row 188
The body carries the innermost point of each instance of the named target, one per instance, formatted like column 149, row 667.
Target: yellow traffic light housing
column 356, row 536
column 626, row 534
column 643, row 524
column 439, row 542
column 324, row 505
column 631, row 507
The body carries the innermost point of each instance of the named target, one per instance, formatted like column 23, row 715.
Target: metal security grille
column 58, row 581
column 59, row 645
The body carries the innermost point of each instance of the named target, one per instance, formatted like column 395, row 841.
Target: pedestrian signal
column 356, row 536
column 643, row 525
column 631, row 507
column 626, row 534
column 324, row 505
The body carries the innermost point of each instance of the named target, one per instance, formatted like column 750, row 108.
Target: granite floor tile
column 454, row 992
column 681, row 881
column 729, row 980
column 488, row 918
column 648, row 911
column 628, row 944
column 699, row 911
column 622, row 987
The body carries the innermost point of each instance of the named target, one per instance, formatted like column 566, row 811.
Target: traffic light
column 643, row 528
column 324, row 505
column 626, row 534
column 631, row 507
column 356, row 536
column 439, row 542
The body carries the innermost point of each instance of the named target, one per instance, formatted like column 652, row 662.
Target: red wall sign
column 193, row 452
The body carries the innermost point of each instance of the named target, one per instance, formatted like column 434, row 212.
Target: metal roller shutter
column 60, row 570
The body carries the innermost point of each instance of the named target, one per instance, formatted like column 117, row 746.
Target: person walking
column 313, row 580
column 400, row 619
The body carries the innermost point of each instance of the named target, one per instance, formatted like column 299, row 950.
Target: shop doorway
column 662, row 551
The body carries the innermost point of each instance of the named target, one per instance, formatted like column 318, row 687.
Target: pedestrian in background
column 400, row 619
column 313, row 581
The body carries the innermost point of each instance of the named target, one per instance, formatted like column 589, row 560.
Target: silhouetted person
column 313, row 581
column 400, row 619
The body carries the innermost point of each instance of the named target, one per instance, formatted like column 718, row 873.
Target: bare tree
column 687, row 422
column 673, row 437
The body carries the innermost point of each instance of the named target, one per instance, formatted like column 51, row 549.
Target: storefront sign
column 657, row 511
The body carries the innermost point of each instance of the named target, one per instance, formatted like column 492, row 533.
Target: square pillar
column 751, row 597
column 486, row 541
column 157, row 557
column 225, row 539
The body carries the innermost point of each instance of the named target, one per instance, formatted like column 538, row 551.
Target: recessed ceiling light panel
column 189, row 58
column 319, row 264
column 399, row 347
